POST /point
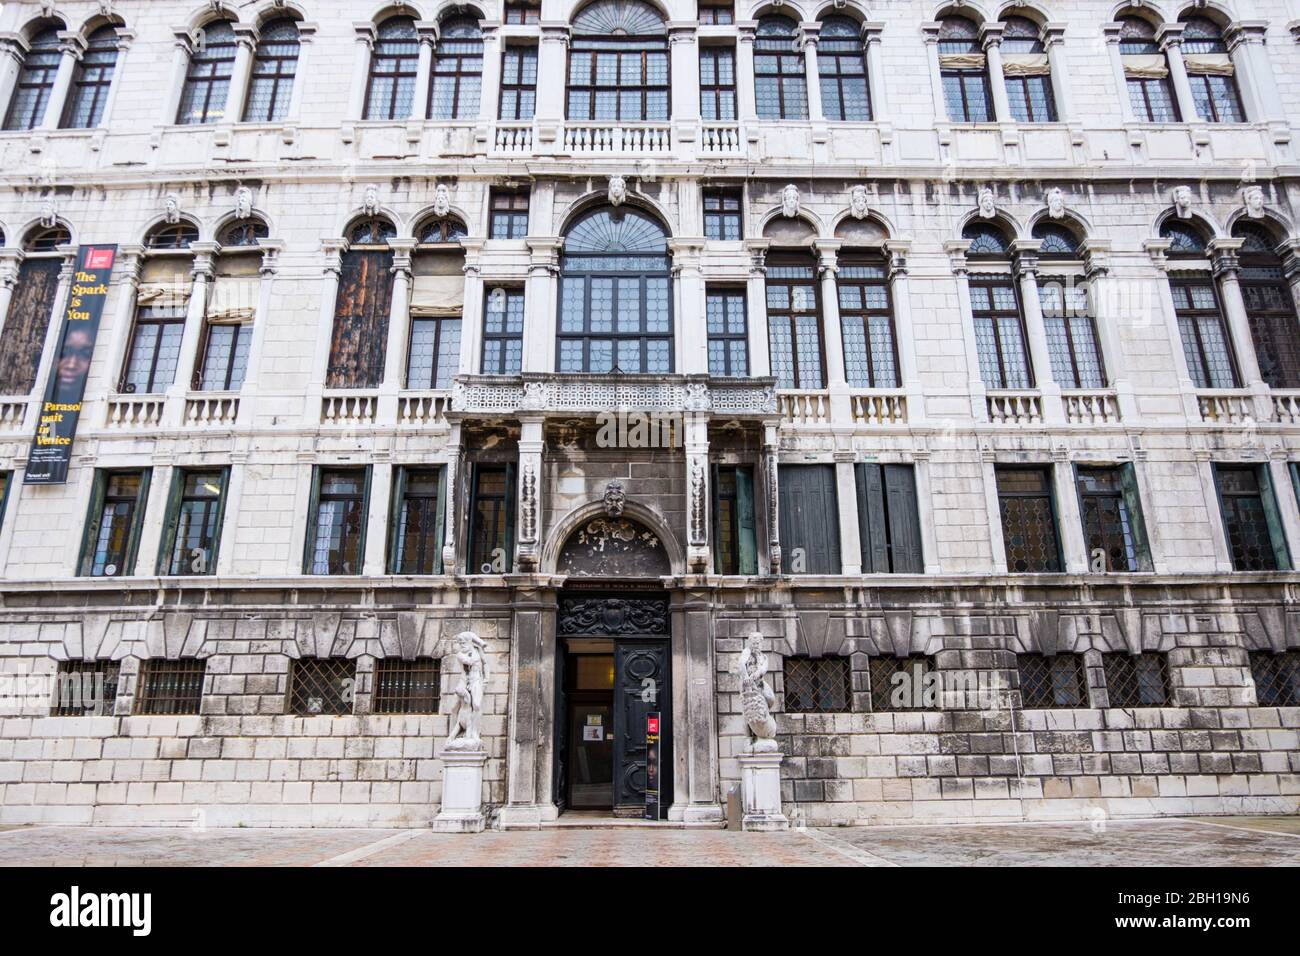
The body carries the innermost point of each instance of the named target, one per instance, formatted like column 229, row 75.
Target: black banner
column 652, row 765
column 52, row 445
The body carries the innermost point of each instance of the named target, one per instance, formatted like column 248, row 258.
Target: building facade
column 954, row 349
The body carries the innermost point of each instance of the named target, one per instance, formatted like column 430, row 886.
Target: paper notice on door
column 595, row 720
column 592, row 733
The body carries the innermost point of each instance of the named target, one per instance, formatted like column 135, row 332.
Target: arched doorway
column 613, row 669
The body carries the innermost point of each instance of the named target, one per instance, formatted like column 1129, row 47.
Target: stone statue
column 1253, row 199
column 467, row 710
column 370, row 201
column 756, row 697
column 172, row 210
column 441, row 199
column 617, row 190
column 243, row 203
column 1055, row 202
column 790, row 201
column 858, row 202
column 987, row 210
column 1182, row 196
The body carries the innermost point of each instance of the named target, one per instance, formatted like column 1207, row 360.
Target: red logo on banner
column 99, row 258
column 652, row 725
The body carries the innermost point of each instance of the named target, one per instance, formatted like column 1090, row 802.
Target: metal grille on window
column 1136, row 680
column 1028, row 520
column 1107, row 525
column 1245, row 519
column 817, row 685
column 870, row 357
column 1056, row 681
column 457, row 73
column 1277, row 678
column 85, row 688
column 899, row 683
column 170, row 687
column 406, row 687
column 322, row 686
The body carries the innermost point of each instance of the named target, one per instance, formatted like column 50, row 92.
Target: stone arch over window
column 618, row 63
column 796, row 231
column 870, row 231
column 566, row 537
column 34, row 85
column 1187, row 237
column 41, row 238
column 988, row 239
column 243, row 233
column 437, row 229
column 370, row 231
column 780, row 72
column 615, row 294
column 615, row 548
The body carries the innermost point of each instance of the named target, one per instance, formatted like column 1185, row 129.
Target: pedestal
column 760, row 786
column 462, row 792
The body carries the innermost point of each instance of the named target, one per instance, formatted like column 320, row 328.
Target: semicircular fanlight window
column 615, row 18
column 609, row 231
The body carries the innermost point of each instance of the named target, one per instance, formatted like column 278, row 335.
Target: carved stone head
column 1252, row 198
column 858, row 202
column 987, row 209
column 172, row 210
column 615, row 499
column 370, row 201
column 1182, row 196
column 617, row 192
column 790, row 201
column 243, row 202
column 1055, row 199
column 441, row 199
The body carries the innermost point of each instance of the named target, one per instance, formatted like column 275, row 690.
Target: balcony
column 1286, row 407
column 603, row 139
column 211, row 409
column 879, row 407
column 1090, row 407
column 13, row 412
column 134, row 412
column 804, row 407
column 580, row 393
column 1226, row 407
column 1015, row 408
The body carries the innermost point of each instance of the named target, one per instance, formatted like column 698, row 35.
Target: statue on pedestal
column 756, row 696
column 468, row 708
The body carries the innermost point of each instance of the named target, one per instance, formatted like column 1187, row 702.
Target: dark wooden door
column 641, row 685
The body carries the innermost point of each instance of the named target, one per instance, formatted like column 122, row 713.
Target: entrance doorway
column 608, row 687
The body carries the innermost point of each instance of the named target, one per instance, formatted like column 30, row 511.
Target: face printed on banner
column 74, row 362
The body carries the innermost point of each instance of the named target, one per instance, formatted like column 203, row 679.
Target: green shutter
column 313, row 516
column 395, row 518
column 168, row 542
column 1133, row 505
column 137, row 520
column 440, row 520
column 747, row 538
column 872, row 532
column 1273, row 515
column 365, row 522
column 221, row 521
column 809, row 517
column 90, row 533
column 904, row 519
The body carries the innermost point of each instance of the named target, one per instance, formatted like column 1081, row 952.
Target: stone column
column 11, row 261
column 332, row 267
column 904, row 333
column 991, row 40
column 694, row 710
column 399, row 330
column 930, row 34
column 529, row 534
column 1049, row 390
column 71, row 48
column 684, row 53
column 1062, row 81
column 306, row 36
column 760, row 362
column 241, row 72
column 364, row 44
column 489, row 96
column 979, row 406
column 1170, row 37
column 832, row 334
column 195, row 315
column 530, row 738
column 552, row 61
column 771, row 494
column 1111, row 31
column 1157, row 249
column 746, row 110
column 253, row 370
column 689, row 321
column 13, row 49
column 539, row 303
column 471, row 322
column 698, row 552
column 876, row 71
column 124, row 39
column 455, row 499
column 68, row 255
column 126, row 276
column 1106, row 318
column 1253, row 77
column 182, row 49
column 1227, row 268
column 428, row 33
column 808, row 32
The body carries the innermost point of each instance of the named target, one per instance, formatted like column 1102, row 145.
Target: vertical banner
column 652, row 765
column 52, row 446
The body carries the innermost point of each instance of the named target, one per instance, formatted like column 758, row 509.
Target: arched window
column 1147, row 72
column 394, row 65
column 207, row 82
column 1056, row 241
column 794, row 320
column 91, row 81
column 618, row 63
column 867, row 321
column 615, row 295
column 457, row 71
column 962, row 67
column 1073, row 347
column 47, row 239
column 1207, row 345
column 843, row 70
column 172, row 236
column 995, row 308
column 275, row 64
column 371, row 231
column 35, row 82
column 243, row 233
column 1185, row 238
column 1270, row 307
column 1026, row 72
column 359, row 341
column 443, row 229
column 1210, row 72
column 780, row 76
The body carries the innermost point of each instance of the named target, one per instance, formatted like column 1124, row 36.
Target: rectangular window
column 406, row 687
column 794, row 325
column 1204, row 332
column 1153, row 99
column 889, row 523
column 867, row 321
column 967, row 96
column 509, row 214
column 417, row 522
column 780, row 79
column 361, row 311
column 193, row 530
column 899, row 683
column 518, row 82
column 503, row 332
column 718, row 83
column 1031, row 99
column 1277, row 678
column 1251, row 518
column 999, row 332
column 1216, row 98
column 818, row 685
column 722, row 214
column 434, row 353
column 521, row 12
column 717, row 14
column 91, row 82
column 1136, row 680
column 809, row 519
column 1071, row 335
column 113, row 524
column 728, row 332
column 734, row 541
column 170, row 686
column 155, row 350
column 225, row 357
column 1056, row 681
column 491, row 536
column 1113, row 530
column 1028, row 520
column 336, row 525
column 1274, row 326
column 615, row 81
column 322, row 686
column 85, row 688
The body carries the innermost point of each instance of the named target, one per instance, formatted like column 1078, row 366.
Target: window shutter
column 1273, row 515
column 365, row 520
column 1133, row 505
column 137, row 520
column 904, row 519
column 791, row 517
column 395, row 517
column 746, row 538
column 440, row 519
column 871, row 519
column 313, row 518
column 91, row 532
column 168, row 542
